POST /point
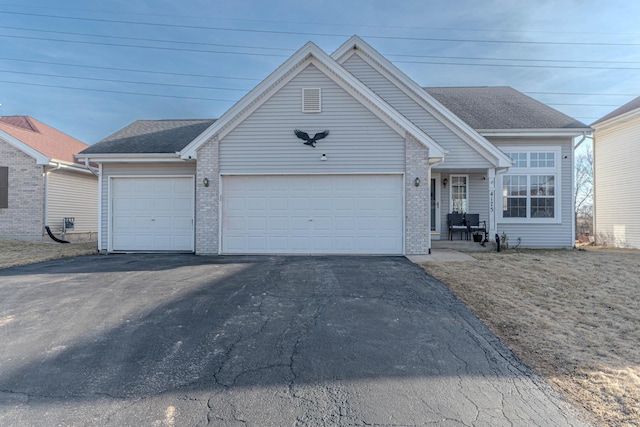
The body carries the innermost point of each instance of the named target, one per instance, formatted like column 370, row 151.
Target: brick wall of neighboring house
column 23, row 217
column 417, row 224
column 207, row 198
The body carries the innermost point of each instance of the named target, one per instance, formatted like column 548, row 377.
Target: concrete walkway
column 441, row 255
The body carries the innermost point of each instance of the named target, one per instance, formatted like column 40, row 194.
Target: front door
column 434, row 215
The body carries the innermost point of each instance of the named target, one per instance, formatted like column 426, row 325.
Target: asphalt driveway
column 181, row 340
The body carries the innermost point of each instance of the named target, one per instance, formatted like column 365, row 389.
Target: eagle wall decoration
column 307, row 139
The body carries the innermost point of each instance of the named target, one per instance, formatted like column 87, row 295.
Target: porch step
column 462, row 245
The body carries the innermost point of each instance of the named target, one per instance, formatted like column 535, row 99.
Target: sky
column 89, row 68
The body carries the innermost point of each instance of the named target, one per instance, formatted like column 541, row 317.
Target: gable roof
column 630, row 106
column 151, row 137
column 310, row 53
column 39, row 140
column 355, row 45
column 501, row 108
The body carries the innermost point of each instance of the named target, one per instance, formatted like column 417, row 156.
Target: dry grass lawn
column 572, row 316
column 14, row 252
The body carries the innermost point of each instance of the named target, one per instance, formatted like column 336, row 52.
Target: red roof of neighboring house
column 46, row 140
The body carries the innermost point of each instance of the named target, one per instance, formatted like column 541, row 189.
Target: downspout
column 573, row 193
column 99, row 176
column 86, row 163
column 584, row 136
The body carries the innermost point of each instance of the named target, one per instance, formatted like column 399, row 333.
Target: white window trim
column 556, row 171
column 451, row 190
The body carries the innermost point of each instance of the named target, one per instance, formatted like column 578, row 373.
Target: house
column 616, row 153
column 41, row 184
column 383, row 162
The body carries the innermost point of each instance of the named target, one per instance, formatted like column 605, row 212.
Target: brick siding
column 417, row 224
column 207, row 198
column 23, row 217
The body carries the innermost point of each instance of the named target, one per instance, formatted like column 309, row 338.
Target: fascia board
column 40, row 158
column 421, row 96
column 130, row 158
column 629, row 115
column 312, row 53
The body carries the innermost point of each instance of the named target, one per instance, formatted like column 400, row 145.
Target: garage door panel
column 256, row 223
column 278, row 224
column 313, row 214
column 152, row 214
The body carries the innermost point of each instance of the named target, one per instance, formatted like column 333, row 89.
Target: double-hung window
column 531, row 186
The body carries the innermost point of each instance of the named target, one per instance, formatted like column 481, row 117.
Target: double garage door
column 306, row 214
column 312, row 214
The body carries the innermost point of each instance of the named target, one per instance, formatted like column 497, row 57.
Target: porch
column 471, row 192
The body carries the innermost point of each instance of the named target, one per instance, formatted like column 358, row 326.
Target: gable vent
column 311, row 100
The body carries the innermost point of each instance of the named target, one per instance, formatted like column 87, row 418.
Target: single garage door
column 312, row 214
column 152, row 214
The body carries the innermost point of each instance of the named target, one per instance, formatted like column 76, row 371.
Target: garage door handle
column 153, row 219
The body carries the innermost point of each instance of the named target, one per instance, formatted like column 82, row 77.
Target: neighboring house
column 396, row 160
column 616, row 153
column 41, row 183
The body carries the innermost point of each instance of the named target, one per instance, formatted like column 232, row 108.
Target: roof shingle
column 46, row 140
column 151, row 137
column 634, row 104
column 501, row 108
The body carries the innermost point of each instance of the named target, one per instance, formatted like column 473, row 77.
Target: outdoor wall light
column 444, row 182
column 416, row 182
column 323, row 158
column 205, row 182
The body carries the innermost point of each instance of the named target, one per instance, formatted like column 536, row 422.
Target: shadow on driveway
column 137, row 326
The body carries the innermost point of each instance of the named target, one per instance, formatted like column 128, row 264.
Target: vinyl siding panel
column 358, row 140
column 543, row 235
column 460, row 154
column 126, row 169
column 616, row 157
column 72, row 195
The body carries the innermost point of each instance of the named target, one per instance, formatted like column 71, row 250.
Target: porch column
column 491, row 175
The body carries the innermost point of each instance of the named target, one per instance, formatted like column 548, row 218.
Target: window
column 4, row 187
column 530, row 188
column 459, row 194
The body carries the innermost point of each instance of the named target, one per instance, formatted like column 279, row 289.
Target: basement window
column 311, row 100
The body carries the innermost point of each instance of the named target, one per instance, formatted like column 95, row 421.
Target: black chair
column 455, row 221
column 474, row 225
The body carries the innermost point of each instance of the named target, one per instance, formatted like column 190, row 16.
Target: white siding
column 72, row 195
column 544, row 235
column 460, row 153
column 124, row 169
column 616, row 153
column 358, row 140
